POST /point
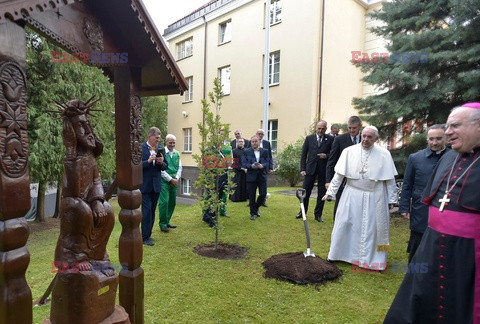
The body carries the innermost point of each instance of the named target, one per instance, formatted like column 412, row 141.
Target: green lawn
column 182, row 287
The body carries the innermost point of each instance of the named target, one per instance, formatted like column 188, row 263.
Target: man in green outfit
column 170, row 182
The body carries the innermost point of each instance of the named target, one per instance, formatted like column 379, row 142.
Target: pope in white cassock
column 360, row 235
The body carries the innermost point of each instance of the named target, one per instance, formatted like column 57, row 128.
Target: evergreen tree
column 155, row 113
column 433, row 66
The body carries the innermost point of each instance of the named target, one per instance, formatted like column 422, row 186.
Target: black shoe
column 319, row 219
column 148, row 242
column 299, row 215
column 171, row 226
column 164, row 229
column 257, row 213
column 264, row 205
column 253, row 216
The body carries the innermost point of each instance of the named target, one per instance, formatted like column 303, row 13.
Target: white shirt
column 257, row 155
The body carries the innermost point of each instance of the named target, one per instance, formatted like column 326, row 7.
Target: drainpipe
column 204, row 64
column 265, row 69
column 321, row 62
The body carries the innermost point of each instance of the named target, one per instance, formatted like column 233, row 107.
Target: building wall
column 344, row 33
column 295, row 101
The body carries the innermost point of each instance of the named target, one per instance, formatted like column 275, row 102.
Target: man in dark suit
column 339, row 144
column 334, row 129
column 265, row 145
column 268, row 146
column 313, row 163
column 419, row 168
column 153, row 163
column 238, row 135
column 240, row 191
column 256, row 161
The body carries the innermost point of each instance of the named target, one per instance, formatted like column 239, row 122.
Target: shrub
column 289, row 162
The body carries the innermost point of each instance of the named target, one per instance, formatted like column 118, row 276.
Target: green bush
column 289, row 162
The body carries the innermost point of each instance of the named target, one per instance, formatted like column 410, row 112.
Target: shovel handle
column 301, row 193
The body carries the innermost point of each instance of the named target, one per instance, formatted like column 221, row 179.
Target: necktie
column 354, row 140
column 319, row 141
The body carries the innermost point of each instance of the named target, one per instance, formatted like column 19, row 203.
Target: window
column 274, row 68
column 224, row 75
column 185, row 48
column 186, row 187
column 275, row 12
column 188, row 96
column 273, row 134
column 225, row 32
column 187, row 140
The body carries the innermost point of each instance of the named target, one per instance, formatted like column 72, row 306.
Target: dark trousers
column 308, row 183
column 413, row 244
column 252, row 192
column 149, row 205
column 337, row 198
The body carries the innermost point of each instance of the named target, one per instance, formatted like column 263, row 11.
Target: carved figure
column 83, row 293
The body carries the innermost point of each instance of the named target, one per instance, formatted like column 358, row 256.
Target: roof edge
column 160, row 45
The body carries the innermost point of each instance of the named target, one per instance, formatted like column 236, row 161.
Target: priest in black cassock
column 445, row 287
column 240, row 191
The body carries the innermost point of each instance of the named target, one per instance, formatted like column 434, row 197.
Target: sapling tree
column 214, row 161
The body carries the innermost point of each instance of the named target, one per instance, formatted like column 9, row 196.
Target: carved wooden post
column 129, row 176
column 15, row 295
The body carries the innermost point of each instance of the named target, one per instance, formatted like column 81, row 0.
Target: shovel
column 301, row 195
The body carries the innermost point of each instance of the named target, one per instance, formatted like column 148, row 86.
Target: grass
column 183, row 287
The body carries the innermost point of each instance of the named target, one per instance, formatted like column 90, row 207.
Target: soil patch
column 49, row 223
column 298, row 269
column 224, row 251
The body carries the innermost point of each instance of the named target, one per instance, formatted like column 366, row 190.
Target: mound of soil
column 223, row 251
column 298, row 269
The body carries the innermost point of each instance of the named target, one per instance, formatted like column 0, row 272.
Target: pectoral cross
column 444, row 200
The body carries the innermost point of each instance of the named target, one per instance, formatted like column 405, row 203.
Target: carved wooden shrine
column 147, row 69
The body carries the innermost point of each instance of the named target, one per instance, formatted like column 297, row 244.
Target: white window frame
column 188, row 96
column 225, row 32
column 185, row 48
column 224, row 74
column 187, row 140
column 186, row 187
column 274, row 68
column 275, row 12
column 271, row 131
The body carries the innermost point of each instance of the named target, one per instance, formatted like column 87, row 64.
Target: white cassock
column 362, row 223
